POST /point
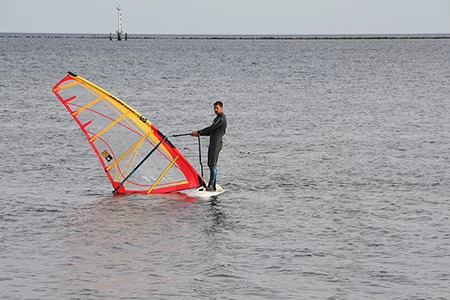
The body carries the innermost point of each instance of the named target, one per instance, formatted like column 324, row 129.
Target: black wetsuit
column 215, row 132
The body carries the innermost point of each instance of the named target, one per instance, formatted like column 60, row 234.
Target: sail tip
column 73, row 74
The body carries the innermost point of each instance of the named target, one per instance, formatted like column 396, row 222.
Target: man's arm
column 208, row 130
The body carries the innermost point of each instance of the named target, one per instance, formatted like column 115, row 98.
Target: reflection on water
column 218, row 217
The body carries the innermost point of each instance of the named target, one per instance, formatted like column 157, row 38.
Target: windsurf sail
column 135, row 155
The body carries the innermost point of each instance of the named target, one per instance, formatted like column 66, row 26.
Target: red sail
column 135, row 155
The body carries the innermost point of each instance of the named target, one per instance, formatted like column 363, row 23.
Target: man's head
column 218, row 107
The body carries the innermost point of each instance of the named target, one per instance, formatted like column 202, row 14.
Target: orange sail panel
column 135, row 155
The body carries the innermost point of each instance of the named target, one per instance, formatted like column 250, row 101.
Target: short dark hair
column 218, row 103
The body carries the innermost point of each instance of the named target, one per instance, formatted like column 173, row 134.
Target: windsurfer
column 215, row 132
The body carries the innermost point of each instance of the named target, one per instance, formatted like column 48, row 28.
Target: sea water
column 335, row 164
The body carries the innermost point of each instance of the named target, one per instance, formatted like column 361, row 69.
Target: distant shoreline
column 223, row 36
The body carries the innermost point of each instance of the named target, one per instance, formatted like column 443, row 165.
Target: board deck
column 203, row 193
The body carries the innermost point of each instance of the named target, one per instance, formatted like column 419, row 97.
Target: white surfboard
column 203, row 193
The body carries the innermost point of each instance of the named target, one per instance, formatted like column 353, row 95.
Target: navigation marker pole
column 119, row 30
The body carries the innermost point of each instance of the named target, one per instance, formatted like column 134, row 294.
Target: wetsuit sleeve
column 216, row 124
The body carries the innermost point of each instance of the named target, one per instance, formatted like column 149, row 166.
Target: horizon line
column 141, row 36
column 233, row 34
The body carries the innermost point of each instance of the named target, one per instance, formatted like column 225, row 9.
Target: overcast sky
column 227, row 17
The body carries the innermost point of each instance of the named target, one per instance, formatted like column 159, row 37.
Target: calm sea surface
column 336, row 165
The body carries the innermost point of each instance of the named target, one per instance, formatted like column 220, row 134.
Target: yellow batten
column 119, row 110
column 162, row 175
column 138, row 143
column 65, row 86
column 109, row 126
column 174, row 183
column 87, row 105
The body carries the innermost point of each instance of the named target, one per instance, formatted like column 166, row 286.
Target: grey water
column 335, row 164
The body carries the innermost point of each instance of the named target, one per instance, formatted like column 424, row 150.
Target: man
column 215, row 132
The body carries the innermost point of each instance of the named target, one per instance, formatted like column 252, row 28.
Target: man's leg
column 212, row 178
column 213, row 155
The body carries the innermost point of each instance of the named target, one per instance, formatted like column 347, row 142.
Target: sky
column 228, row 16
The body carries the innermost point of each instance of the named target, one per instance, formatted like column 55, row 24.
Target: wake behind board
column 203, row 193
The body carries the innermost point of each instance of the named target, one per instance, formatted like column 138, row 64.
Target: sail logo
column 106, row 155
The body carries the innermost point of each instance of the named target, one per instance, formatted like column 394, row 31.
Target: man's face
column 217, row 109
